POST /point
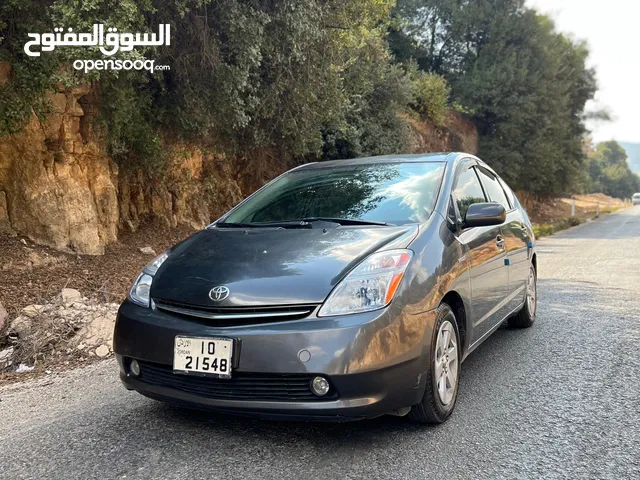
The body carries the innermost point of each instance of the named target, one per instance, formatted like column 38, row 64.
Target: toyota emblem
column 217, row 294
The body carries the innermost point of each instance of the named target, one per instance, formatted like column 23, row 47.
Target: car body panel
column 269, row 266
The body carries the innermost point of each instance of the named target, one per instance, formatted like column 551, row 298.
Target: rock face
column 58, row 188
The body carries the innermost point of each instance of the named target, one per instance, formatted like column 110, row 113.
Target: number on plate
column 204, row 355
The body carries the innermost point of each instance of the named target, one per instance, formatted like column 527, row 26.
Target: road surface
column 560, row 400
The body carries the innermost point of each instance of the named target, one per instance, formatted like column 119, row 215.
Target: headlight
column 140, row 292
column 369, row 286
column 153, row 267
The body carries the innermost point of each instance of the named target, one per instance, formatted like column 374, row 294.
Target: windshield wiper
column 285, row 224
column 346, row 221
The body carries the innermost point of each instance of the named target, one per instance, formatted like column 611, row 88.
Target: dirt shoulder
column 33, row 274
column 554, row 210
column 61, row 306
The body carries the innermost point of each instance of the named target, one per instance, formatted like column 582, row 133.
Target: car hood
column 265, row 266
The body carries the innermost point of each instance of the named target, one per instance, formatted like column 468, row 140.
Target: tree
column 524, row 84
column 609, row 171
column 305, row 79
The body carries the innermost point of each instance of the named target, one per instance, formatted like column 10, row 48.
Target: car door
column 515, row 238
column 486, row 254
column 520, row 250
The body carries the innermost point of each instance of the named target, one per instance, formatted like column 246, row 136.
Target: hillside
column 633, row 152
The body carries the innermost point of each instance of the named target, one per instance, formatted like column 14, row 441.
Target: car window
column 397, row 193
column 493, row 188
column 510, row 195
column 468, row 191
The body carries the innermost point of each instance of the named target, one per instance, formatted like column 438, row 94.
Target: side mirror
column 484, row 215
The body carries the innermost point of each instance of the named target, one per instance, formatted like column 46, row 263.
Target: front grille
column 241, row 386
column 232, row 316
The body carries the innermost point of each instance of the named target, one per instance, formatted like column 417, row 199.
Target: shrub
column 430, row 96
column 543, row 230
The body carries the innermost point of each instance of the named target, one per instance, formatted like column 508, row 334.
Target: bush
column 543, row 230
column 430, row 96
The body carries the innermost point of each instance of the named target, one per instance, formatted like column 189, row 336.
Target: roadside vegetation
column 608, row 171
column 322, row 80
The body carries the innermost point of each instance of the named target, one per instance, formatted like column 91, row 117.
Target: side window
column 468, row 191
column 493, row 188
column 510, row 196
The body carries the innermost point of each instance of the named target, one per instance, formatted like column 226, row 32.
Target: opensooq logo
column 109, row 44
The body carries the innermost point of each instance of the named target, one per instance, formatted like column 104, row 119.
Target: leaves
column 525, row 84
column 609, row 171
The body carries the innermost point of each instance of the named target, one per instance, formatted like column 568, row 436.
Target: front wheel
column 525, row 317
column 441, row 390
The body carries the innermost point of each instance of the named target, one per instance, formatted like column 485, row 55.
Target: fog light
column 134, row 367
column 320, row 386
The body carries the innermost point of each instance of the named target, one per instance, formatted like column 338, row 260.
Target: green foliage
column 543, row 230
column 132, row 141
column 633, row 154
column 547, row 229
column 430, row 95
column 312, row 79
column 609, row 172
column 525, row 84
column 30, row 77
column 367, row 123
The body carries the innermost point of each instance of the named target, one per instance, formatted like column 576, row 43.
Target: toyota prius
column 340, row 290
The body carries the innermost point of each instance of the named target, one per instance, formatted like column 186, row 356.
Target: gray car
column 340, row 290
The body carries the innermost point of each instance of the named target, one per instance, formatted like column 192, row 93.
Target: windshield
column 395, row 193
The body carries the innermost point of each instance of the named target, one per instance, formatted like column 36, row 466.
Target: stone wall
column 59, row 188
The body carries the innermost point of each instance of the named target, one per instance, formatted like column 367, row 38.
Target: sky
column 612, row 31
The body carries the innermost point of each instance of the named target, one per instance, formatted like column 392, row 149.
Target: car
column 341, row 290
column 636, row 199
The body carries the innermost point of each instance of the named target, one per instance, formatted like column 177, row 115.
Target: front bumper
column 375, row 361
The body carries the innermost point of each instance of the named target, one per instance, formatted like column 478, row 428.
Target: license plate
column 203, row 356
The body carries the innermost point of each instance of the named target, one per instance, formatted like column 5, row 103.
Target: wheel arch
column 454, row 300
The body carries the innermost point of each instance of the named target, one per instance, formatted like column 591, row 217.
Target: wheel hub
column 446, row 362
column 531, row 293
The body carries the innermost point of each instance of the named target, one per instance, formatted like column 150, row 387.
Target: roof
column 417, row 157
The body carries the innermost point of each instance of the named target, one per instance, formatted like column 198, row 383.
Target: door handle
column 500, row 242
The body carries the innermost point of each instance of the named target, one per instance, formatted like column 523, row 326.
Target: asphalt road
column 560, row 400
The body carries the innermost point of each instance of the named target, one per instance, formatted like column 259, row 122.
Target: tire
column 527, row 315
column 433, row 409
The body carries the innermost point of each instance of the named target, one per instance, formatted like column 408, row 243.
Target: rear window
column 397, row 193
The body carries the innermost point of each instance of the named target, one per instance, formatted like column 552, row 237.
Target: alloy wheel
column 446, row 362
column 531, row 293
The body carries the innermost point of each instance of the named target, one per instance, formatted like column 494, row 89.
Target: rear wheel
column 525, row 317
column 441, row 390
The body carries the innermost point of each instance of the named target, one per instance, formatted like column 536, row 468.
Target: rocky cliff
column 59, row 188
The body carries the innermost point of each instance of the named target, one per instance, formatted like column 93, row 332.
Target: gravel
column 559, row 400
